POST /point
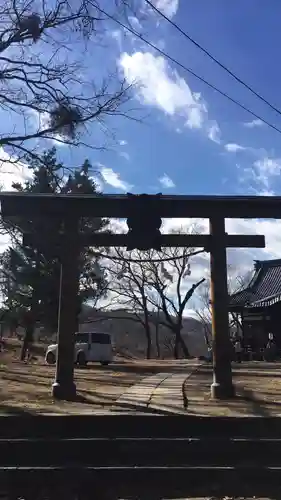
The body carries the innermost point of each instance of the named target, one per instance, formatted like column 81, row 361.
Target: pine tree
column 31, row 285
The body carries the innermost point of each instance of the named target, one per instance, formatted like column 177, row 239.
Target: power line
column 225, row 68
column 185, row 68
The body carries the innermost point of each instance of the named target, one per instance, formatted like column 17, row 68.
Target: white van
column 89, row 346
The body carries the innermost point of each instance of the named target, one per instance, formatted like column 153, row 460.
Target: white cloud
column 265, row 192
column 266, row 170
column 214, row 132
column 271, row 229
column 12, row 171
column 117, row 36
column 118, row 225
column 113, row 179
column 240, row 261
column 125, row 155
column 157, row 85
column 269, row 166
column 254, row 123
column 167, row 182
column 234, row 148
column 168, row 7
column 122, row 142
column 135, row 23
column 41, row 121
column 98, row 181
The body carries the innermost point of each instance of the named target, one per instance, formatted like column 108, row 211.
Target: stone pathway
column 162, row 393
column 169, row 395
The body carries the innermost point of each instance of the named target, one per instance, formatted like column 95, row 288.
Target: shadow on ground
column 258, row 392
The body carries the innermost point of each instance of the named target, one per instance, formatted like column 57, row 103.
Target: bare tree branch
column 43, row 97
column 152, row 280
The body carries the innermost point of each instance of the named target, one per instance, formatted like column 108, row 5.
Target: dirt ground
column 26, row 387
column 258, row 391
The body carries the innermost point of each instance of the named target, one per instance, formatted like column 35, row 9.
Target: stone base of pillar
column 65, row 392
column 222, row 391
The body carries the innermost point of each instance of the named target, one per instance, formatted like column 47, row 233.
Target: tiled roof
column 263, row 290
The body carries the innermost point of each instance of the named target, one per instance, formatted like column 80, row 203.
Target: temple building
column 257, row 307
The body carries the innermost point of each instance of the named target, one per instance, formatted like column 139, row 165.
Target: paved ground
column 186, row 390
column 161, row 393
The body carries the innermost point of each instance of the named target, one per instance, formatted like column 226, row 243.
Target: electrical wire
column 185, row 68
column 213, row 58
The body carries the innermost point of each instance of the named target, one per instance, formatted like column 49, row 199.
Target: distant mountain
column 128, row 333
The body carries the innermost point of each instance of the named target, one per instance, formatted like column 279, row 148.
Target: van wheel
column 104, row 363
column 50, row 358
column 81, row 359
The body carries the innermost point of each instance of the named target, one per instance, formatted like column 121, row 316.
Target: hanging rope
column 140, row 261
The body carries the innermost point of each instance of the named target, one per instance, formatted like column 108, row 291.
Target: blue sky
column 190, row 140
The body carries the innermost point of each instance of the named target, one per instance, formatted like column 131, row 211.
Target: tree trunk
column 147, row 330
column 148, row 340
column 148, row 347
column 24, row 347
column 158, row 350
column 27, row 342
column 176, row 348
column 184, row 347
column 180, row 343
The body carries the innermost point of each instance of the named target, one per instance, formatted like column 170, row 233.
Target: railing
column 138, row 457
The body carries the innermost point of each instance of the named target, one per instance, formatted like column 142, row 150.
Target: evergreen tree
column 32, row 278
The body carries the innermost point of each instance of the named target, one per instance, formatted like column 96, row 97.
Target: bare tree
column 46, row 92
column 169, row 287
column 145, row 281
column 236, row 282
column 203, row 311
column 128, row 284
column 156, row 321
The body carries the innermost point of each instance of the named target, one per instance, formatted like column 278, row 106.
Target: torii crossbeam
column 143, row 214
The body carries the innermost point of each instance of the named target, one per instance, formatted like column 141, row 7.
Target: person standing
column 238, row 350
column 271, row 349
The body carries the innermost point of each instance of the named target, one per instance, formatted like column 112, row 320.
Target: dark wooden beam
column 64, row 387
column 222, row 386
column 120, row 206
column 167, row 240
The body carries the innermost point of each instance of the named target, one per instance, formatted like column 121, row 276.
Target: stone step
column 87, row 426
column 140, row 452
column 140, row 482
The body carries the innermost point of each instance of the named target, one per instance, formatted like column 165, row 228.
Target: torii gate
column 143, row 214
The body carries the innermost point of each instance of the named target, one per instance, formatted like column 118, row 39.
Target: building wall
column 258, row 323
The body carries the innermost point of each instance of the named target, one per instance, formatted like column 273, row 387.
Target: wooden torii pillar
column 70, row 208
column 64, row 387
column 222, row 386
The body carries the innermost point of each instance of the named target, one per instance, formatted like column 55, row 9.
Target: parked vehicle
column 89, row 346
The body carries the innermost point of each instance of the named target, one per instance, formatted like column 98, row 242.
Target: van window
column 101, row 338
column 81, row 338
